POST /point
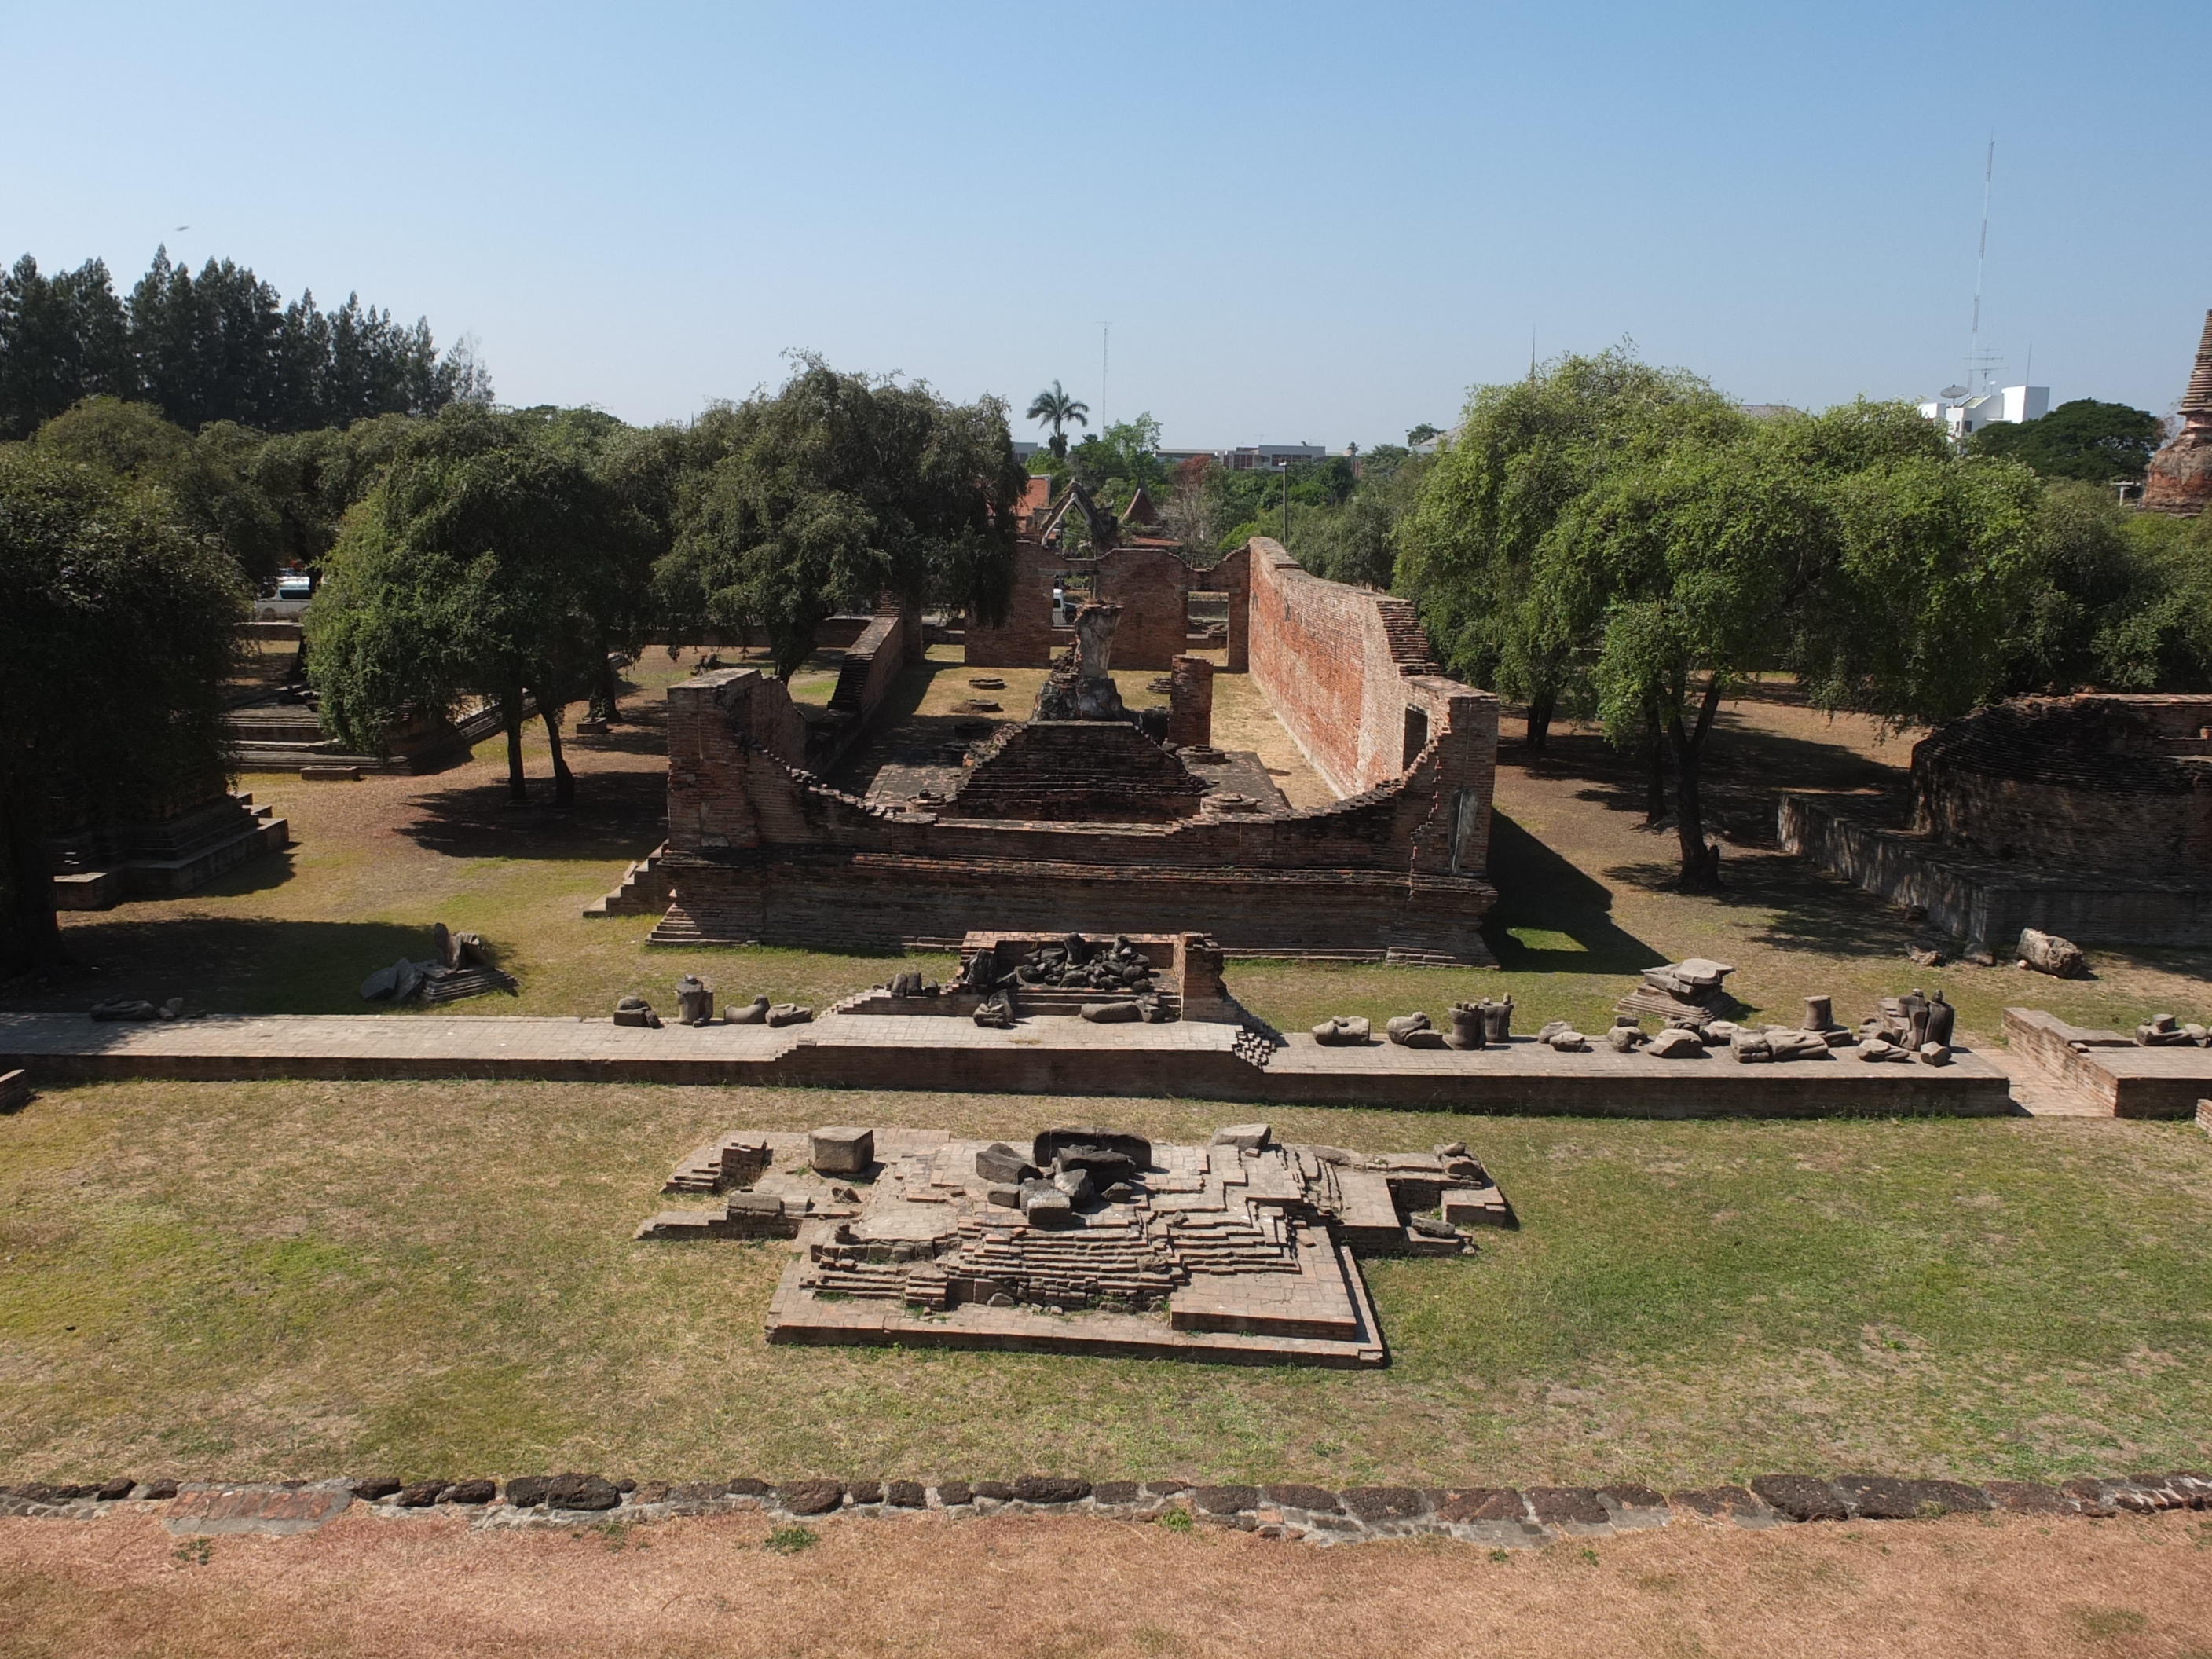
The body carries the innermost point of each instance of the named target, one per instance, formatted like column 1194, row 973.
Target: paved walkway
column 1037, row 1056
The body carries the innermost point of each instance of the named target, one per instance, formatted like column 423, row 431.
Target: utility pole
column 1981, row 258
column 1285, row 464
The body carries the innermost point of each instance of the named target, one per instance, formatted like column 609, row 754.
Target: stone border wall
column 1498, row 1516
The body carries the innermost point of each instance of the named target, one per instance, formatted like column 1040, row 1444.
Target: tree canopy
column 1055, row 409
column 492, row 558
column 2095, row 442
column 218, row 346
column 117, row 630
column 834, row 492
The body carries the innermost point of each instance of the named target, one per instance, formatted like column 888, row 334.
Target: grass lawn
column 305, row 1279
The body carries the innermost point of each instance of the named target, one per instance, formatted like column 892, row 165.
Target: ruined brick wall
column 2122, row 784
column 755, row 852
column 1340, row 667
column 1151, row 585
column 1190, row 703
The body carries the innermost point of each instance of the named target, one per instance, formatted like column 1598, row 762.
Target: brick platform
column 1037, row 1056
column 2109, row 1069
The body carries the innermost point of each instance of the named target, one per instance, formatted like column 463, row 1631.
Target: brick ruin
column 2180, row 480
column 2115, row 783
column 2089, row 816
column 1084, row 1240
column 1110, row 823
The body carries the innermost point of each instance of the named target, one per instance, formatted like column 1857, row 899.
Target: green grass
column 306, row 1279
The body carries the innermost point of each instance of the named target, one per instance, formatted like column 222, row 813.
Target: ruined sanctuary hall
column 1090, row 814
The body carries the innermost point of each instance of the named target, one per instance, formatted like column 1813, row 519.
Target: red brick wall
column 1151, row 585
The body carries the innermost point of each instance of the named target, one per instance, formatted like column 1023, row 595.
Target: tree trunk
column 1540, row 721
column 31, row 933
column 1655, row 760
column 1701, row 865
column 564, row 780
column 510, row 713
column 607, row 706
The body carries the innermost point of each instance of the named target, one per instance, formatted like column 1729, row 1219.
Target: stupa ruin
column 2180, row 477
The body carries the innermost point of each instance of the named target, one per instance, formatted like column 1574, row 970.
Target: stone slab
column 1195, row 1061
column 213, row 1510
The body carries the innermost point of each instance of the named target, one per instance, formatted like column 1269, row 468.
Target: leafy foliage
column 831, row 494
column 2093, row 441
column 220, row 346
column 1056, row 408
column 117, row 628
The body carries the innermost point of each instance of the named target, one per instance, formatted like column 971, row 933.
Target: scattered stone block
column 1343, row 1031
column 1469, row 1029
column 1751, row 1047
column 469, row 1491
column 375, row 1491
column 1568, row 1042
column 635, row 1010
column 1556, row 1506
column 1933, row 1054
column 1000, row 1163
column 753, row 1014
column 1076, row 1184
column 866, row 1492
column 1820, row 1014
column 2047, row 953
column 1044, row 1205
column 420, row 1495
column 1402, row 1026
column 1112, row 1013
column 1428, row 1037
column 1244, row 1137
column 906, row 1494
column 1224, row 1500
column 1006, row 1195
column 954, row 1494
column 789, row 1013
column 1675, row 1043
column 1624, row 1039
column 1117, row 1494
column 842, row 1150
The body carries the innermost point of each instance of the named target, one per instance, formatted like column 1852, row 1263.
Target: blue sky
column 1305, row 223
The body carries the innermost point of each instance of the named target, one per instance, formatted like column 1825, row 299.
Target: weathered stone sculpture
column 1343, row 1031
column 1469, row 1029
column 636, row 1010
column 753, row 1014
column 695, row 1001
column 1080, row 686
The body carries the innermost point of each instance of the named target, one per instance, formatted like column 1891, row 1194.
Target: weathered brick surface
column 1151, row 583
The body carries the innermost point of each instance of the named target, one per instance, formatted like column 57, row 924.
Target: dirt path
column 2016, row 1588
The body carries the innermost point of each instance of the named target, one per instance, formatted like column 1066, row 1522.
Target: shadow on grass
column 257, row 875
column 226, row 964
column 617, row 814
column 1552, row 917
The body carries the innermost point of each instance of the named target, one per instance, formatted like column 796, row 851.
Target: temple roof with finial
column 2197, row 399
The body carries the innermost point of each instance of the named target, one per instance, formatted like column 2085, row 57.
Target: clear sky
column 1304, row 223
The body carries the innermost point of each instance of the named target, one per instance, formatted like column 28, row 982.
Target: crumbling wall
column 759, row 851
column 1152, row 584
column 2114, row 783
column 1348, row 672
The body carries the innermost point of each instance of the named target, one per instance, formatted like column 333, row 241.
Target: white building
column 1963, row 416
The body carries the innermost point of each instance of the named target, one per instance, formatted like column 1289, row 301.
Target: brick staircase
column 1079, row 771
column 1409, row 642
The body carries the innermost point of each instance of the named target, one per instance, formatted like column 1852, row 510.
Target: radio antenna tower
column 1981, row 259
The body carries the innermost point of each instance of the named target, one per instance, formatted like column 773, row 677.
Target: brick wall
column 1152, row 584
column 2121, row 784
column 1190, row 703
column 757, row 851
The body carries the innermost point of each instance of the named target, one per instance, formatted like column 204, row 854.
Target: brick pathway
column 1038, row 1056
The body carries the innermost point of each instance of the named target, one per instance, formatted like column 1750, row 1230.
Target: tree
column 118, row 626
column 488, row 560
column 1055, row 409
column 1848, row 548
column 2097, row 443
column 834, row 492
column 218, row 346
column 1120, row 460
column 1526, row 451
column 1421, row 435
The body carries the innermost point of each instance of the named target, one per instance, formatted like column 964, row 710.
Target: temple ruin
column 1091, row 817
column 2088, row 815
column 2180, row 477
column 1086, row 1240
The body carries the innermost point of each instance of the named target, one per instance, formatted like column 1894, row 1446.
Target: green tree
column 1122, row 460
column 1055, row 409
column 834, row 492
column 1526, row 451
column 2097, row 443
column 489, row 559
column 118, row 626
column 1848, row 548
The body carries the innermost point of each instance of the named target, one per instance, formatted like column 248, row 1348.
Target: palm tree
column 1056, row 408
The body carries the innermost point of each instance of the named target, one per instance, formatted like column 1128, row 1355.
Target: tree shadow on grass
column 1812, row 911
column 617, row 814
column 224, row 964
column 1552, row 917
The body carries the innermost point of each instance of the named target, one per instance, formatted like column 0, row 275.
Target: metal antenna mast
column 1105, row 340
column 1981, row 259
